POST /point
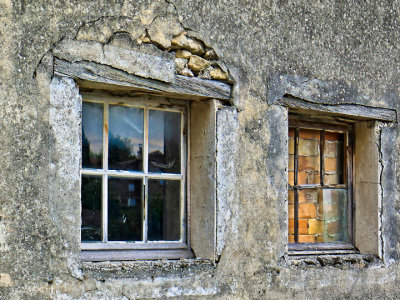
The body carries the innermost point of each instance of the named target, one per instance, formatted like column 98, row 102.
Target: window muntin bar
column 109, row 175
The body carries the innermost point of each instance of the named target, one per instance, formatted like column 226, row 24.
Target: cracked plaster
column 350, row 46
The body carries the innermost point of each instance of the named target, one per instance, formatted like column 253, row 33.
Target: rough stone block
column 182, row 41
column 308, row 196
column 308, row 177
column 333, row 136
column 307, row 211
column 309, row 163
column 290, row 196
column 217, row 73
column 163, row 29
column 309, row 134
column 308, row 147
column 302, row 226
column 333, row 164
column 333, row 178
column 183, row 54
column 291, row 177
column 291, row 146
column 333, row 227
column 291, row 162
column 197, row 64
column 291, row 211
column 306, row 238
column 332, row 148
column 315, row 226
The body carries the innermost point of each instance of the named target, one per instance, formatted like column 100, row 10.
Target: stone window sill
column 337, row 260
column 145, row 268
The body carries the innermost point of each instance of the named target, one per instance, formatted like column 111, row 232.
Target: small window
column 133, row 175
column 320, row 186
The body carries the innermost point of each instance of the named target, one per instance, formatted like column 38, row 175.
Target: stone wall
column 337, row 54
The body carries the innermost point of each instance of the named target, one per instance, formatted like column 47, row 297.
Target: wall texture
column 326, row 52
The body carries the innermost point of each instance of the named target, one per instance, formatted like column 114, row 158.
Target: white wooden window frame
column 146, row 103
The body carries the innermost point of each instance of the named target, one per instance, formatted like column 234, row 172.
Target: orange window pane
column 334, row 158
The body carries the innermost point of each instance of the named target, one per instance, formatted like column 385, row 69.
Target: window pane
column 322, row 216
column 291, row 215
column 309, row 157
column 334, row 158
column 291, row 157
column 334, row 214
column 164, row 210
column 125, row 139
column 92, row 135
column 164, row 141
column 310, row 224
column 91, row 209
column 125, row 209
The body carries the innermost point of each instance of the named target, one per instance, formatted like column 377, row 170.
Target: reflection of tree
column 91, row 212
column 89, row 159
column 121, row 155
column 124, row 221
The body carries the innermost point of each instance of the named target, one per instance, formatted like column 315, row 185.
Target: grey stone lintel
column 95, row 75
column 355, row 111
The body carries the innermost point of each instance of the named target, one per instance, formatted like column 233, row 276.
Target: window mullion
column 182, row 193
column 296, row 198
column 145, row 171
column 322, row 157
column 105, row 177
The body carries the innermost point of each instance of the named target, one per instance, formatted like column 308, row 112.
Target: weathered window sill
column 145, row 268
column 321, row 249
column 334, row 259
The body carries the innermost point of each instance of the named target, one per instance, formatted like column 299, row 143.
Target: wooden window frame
column 297, row 122
column 131, row 250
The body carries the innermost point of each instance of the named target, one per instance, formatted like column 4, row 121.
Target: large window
column 320, row 185
column 133, row 175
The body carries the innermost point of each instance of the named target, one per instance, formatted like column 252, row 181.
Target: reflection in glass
column 291, row 215
column 125, row 138
column 334, row 158
column 164, row 210
column 309, row 157
column 92, row 135
column 91, row 209
column 291, row 157
column 335, row 215
column 124, row 209
column 164, row 141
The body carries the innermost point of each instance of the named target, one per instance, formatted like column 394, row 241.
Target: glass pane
column 309, row 157
column 291, row 157
column 334, row 214
column 334, row 158
column 125, row 139
column 291, row 215
column 323, row 216
column 309, row 221
column 92, row 135
column 164, row 141
column 125, row 209
column 91, row 209
column 164, row 210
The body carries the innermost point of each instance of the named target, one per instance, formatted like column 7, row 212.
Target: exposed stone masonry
column 192, row 56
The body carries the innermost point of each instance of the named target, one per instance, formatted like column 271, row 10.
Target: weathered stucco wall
column 332, row 53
